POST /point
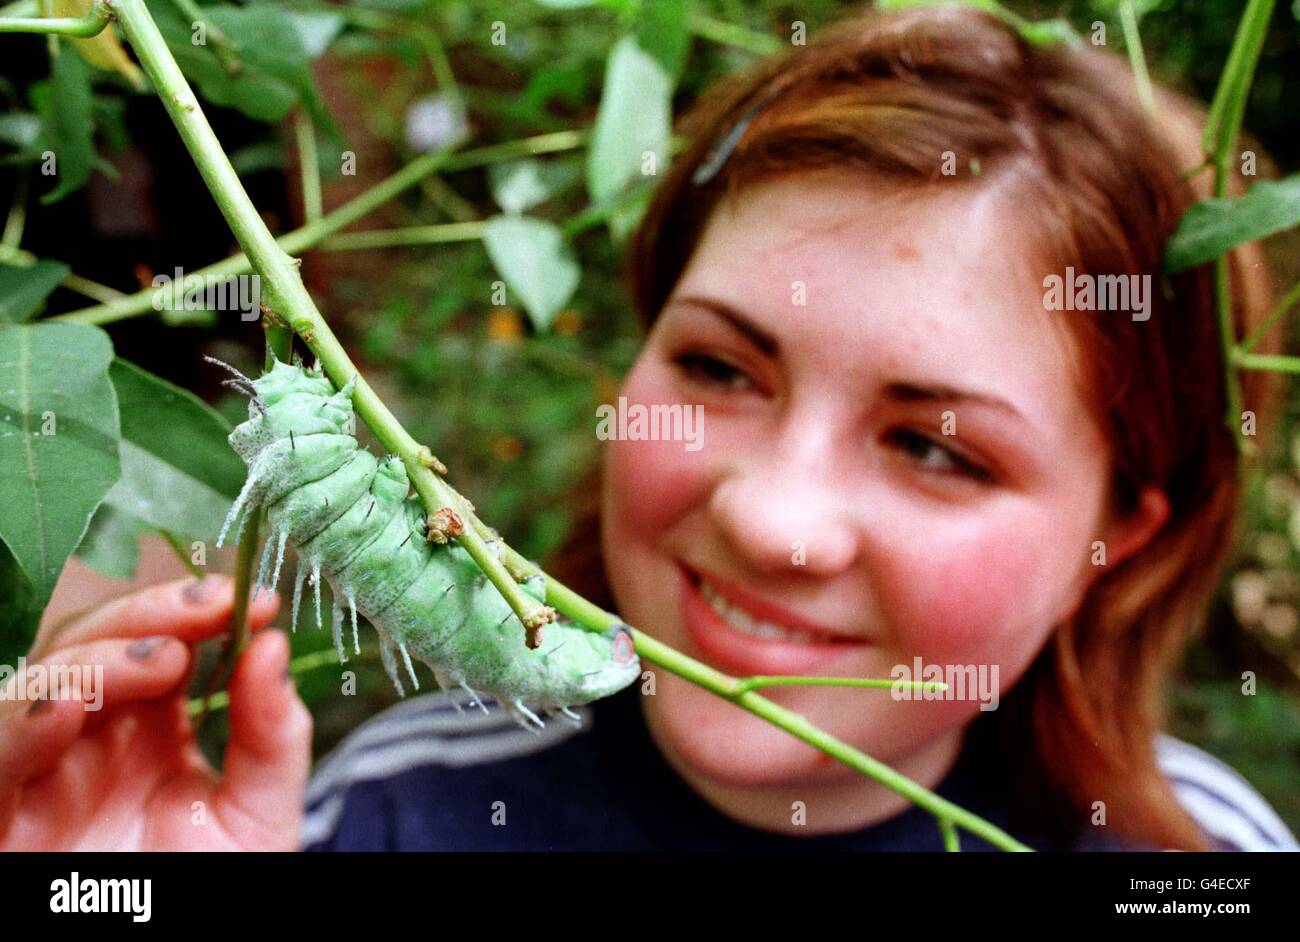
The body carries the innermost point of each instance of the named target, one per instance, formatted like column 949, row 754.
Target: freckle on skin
column 906, row 252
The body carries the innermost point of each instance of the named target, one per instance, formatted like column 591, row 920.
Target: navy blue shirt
column 422, row 776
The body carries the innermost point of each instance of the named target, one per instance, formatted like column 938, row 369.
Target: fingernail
column 200, row 590
column 38, row 706
column 141, row 649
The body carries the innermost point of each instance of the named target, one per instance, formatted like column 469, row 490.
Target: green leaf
column 536, row 262
column 179, row 474
column 276, row 72
column 24, row 288
column 20, row 611
column 69, row 125
column 111, row 544
column 662, row 31
column 1212, row 227
column 522, row 184
column 635, row 116
column 20, row 129
column 316, row 30
column 58, row 452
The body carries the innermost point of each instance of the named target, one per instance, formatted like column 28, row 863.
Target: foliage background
column 511, row 408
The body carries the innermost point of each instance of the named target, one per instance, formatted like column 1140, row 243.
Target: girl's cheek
column 984, row 597
column 654, row 483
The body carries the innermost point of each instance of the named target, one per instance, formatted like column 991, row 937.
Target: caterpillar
column 353, row 521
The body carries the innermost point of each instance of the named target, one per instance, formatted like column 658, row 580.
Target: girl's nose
column 782, row 513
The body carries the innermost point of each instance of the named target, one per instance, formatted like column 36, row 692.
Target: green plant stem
column 1137, row 58
column 16, row 220
column 92, row 24
column 312, row 234
column 732, row 34
column 1226, row 113
column 200, row 706
column 226, row 51
column 407, row 236
column 759, row 681
column 1271, row 363
column 1280, row 311
column 951, row 840
column 290, row 302
column 309, row 166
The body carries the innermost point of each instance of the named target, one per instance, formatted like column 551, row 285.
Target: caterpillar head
column 606, row 662
column 293, row 400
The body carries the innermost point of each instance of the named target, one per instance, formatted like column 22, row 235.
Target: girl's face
column 895, row 463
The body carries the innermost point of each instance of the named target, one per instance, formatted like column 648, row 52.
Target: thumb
column 268, row 757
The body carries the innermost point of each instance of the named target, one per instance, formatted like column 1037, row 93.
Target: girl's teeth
column 746, row 623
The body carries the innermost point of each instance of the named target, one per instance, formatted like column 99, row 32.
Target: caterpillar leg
column 264, row 565
column 336, row 622
column 352, row 606
column 386, row 655
column 251, row 483
column 410, row 668
column 529, row 715
column 315, row 581
column 298, row 579
column 279, row 558
column 474, row 694
column 445, row 684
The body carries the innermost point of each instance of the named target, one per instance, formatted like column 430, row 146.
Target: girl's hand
column 129, row 775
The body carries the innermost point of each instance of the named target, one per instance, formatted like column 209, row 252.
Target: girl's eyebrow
column 911, row 392
column 760, row 338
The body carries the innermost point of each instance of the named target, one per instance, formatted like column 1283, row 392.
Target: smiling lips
column 746, row 635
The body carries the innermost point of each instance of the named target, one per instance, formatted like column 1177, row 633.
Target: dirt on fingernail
column 140, row 649
column 201, row 590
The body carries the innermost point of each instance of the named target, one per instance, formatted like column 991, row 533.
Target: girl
column 913, row 452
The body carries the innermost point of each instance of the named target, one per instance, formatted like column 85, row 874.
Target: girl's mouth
column 751, row 637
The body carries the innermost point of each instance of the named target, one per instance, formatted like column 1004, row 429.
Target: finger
column 96, row 676
column 268, row 757
column 46, row 706
column 190, row 609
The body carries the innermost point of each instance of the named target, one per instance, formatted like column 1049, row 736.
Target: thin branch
column 308, row 166
column 1267, row 324
column 1137, row 59
column 92, row 24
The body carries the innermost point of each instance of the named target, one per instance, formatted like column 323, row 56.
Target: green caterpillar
column 352, row 520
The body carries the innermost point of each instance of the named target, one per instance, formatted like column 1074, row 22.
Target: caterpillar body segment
column 354, row 523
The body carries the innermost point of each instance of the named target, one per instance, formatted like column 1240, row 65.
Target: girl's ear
column 1128, row 534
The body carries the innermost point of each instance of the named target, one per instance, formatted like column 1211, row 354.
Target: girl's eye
column 938, row 458
column 710, row 371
